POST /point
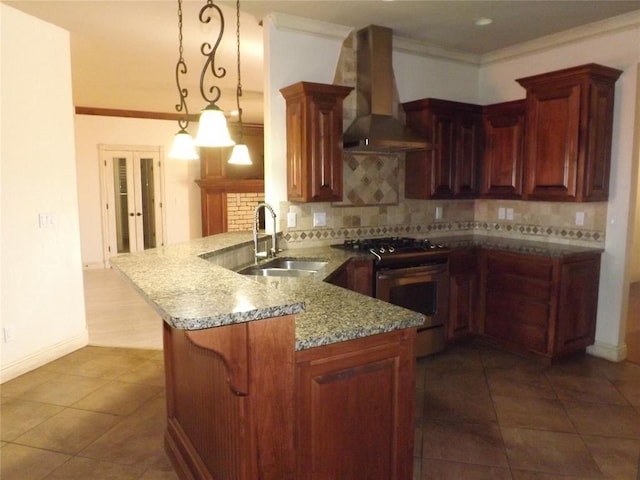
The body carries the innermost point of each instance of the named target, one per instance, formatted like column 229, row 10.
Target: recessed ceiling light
column 481, row 22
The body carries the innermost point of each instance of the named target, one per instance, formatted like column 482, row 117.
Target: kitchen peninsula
column 277, row 377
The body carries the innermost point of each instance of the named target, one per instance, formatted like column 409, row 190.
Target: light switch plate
column 291, row 219
column 320, row 219
column 46, row 220
column 509, row 213
column 438, row 213
column 501, row 213
column 579, row 218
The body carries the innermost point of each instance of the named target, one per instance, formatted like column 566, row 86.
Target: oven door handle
column 410, row 272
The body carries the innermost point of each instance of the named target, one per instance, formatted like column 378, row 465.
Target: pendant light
column 240, row 154
column 212, row 128
column 182, row 147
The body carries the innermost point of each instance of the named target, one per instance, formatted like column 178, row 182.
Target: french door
column 132, row 196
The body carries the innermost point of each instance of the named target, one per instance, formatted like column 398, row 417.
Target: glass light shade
column 240, row 155
column 212, row 129
column 183, row 147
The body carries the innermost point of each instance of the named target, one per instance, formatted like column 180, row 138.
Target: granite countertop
column 191, row 293
column 544, row 249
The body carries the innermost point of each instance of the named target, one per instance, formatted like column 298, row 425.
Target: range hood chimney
column 375, row 129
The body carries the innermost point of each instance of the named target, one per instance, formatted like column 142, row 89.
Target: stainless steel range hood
column 375, row 129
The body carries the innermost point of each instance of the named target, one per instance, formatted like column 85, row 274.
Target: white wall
column 182, row 195
column 42, row 292
column 291, row 56
column 634, row 275
column 620, row 50
column 422, row 77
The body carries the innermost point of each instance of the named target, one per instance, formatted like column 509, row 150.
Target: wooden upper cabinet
column 314, row 141
column 451, row 168
column 568, row 136
column 504, row 127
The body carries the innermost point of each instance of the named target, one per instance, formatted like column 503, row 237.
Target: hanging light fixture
column 212, row 128
column 182, row 147
column 240, row 154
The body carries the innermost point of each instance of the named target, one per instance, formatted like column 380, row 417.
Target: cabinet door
column 577, row 305
column 445, row 154
column 468, row 155
column 518, row 300
column 355, row 409
column 314, row 141
column 503, row 150
column 463, row 288
column 419, row 178
column 462, row 305
column 326, row 150
column 355, row 275
column 553, row 128
column 598, row 153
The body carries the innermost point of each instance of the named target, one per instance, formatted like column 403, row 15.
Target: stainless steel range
column 414, row 274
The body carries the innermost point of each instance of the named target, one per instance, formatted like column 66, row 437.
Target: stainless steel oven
column 424, row 289
column 412, row 273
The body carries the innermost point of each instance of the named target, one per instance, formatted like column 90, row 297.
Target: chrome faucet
column 274, row 242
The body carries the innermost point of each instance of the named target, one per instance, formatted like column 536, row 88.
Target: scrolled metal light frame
column 209, row 51
column 181, row 69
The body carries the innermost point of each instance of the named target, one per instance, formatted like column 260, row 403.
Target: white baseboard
column 44, row 356
column 613, row 353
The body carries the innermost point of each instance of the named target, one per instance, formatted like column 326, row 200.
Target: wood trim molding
column 232, row 186
column 193, row 117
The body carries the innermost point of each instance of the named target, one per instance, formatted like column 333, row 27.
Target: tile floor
column 99, row 412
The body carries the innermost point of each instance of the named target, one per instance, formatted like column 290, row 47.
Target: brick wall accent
column 240, row 207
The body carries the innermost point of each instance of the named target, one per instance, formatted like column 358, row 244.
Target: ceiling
column 124, row 52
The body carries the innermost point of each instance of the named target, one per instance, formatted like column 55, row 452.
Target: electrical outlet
column 580, row 218
column 509, row 213
column 8, row 334
column 501, row 213
column 291, row 219
column 438, row 213
column 319, row 219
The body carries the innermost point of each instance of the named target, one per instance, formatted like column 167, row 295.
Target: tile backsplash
column 538, row 221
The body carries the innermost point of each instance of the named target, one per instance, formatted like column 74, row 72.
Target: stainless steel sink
column 286, row 267
column 276, row 272
column 314, row 264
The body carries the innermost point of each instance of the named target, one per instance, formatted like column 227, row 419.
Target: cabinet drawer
column 540, row 269
column 501, row 283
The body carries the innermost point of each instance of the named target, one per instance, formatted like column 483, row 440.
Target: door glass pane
column 148, row 202
column 121, row 202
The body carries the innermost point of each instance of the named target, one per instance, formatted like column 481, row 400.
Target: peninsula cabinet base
column 243, row 405
column 355, row 409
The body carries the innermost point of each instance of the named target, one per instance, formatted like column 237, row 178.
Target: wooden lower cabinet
column 539, row 305
column 463, row 293
column 355, row 409
column 243, row 405
column 355, row 275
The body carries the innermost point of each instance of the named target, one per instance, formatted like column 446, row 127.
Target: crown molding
column 424, row 49
column 292, row 23
column 595, row 29
column 591, row 30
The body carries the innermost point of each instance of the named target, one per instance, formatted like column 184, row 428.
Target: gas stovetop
column 397, row 251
